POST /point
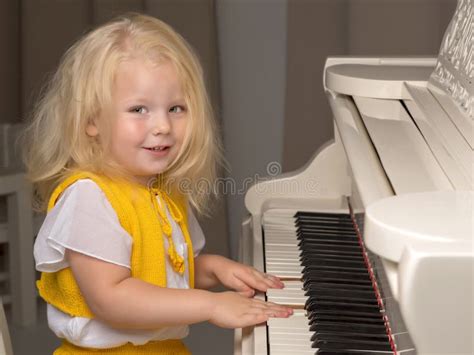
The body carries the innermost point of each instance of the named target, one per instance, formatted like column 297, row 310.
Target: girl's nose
column 161, row 125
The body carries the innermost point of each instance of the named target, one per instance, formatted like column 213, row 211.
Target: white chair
column 5, row 342
column 17, row 231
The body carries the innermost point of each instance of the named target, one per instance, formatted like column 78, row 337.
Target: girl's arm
column 126, row 302
column 210, row 270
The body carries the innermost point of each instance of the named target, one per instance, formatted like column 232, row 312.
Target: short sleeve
column 195, row 232
column 82, row 220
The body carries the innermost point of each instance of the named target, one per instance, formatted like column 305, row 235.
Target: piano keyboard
column 329, row 281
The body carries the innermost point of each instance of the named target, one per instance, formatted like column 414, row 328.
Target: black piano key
column 336, row 274
column 324, row 288
column 316, row 244
column 313, row 233
column 332, row 219
column 351, row 352
column 333, row 247
column 304, row 214
column 348, row 299
column 349, row 327
column 324, row 239
column 322, row 275
column 325, row 249
column 319, row 254
column 317, row 220
column 350, row 335
column 313, row 281
column 314, row 255
column 340, row 344
column 343, row 307
column 337, row 284
column 338, row 318
column 309, row 233
column 311, row 263
column 308, row 249
column 331, row 236
column 309, row 268
column 356, row 284
column 326, row 225
column 335, row 312
column 310, row 260
column 313, row 287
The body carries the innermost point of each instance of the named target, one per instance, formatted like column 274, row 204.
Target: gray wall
column 321, row 28
column 10, row 90
column 252, row 48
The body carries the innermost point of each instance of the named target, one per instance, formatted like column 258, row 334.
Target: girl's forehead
column 140, row 76
column 142, row 62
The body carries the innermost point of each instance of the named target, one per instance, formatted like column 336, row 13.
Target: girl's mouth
column 158, row 151
column 158, row 148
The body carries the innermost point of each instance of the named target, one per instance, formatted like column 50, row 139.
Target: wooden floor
column 204, row 339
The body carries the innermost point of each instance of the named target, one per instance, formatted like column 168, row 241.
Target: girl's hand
column 235, row 310
column 244, row 278
column 210, row 270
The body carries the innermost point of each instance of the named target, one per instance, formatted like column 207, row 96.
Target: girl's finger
column 255, row 280
column 254, row 318
column 275, row 280
column 247, row 293
column 277, row 314
column 269, row 280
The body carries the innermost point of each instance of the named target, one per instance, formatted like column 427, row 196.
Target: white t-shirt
column 83, row 220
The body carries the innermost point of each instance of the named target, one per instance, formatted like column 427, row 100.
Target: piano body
column 397, row 181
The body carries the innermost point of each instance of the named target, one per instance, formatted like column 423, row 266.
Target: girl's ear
column 92, row 129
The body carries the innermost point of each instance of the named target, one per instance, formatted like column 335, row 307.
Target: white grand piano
column 374, row 237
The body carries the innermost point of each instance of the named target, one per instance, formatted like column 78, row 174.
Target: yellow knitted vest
column 135, row 206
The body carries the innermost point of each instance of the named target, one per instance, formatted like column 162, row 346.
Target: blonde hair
column 55, row 142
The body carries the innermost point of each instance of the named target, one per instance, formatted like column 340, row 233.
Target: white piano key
column 290, row 295
column 281, row 239
column 283, row 253
column 289, row 338
column 291, row 349
column 283, row 292
column 286, row 274
column 285, row 243
column 282, row 256
column 282, row 248
column 290, row 335
column 279, row 231
column 282, row 261
column 271, row 268
column 297, row 321
column 291, row 352
column 294, row 285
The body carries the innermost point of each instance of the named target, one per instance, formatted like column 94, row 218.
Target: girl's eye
column 177, row 109
column 139, row 109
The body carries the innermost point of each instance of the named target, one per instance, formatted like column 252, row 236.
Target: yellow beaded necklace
column 177, row 261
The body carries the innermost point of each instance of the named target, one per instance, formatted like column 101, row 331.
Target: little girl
column 125, row 118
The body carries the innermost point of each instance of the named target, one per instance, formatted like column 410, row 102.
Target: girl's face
column 148, row 117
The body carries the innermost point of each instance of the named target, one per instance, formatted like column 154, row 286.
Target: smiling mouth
column 158, row 148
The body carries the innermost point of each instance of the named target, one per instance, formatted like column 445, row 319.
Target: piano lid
column 418, row 113
column 421, row 220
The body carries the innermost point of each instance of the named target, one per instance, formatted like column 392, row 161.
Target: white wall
column 252, row 50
